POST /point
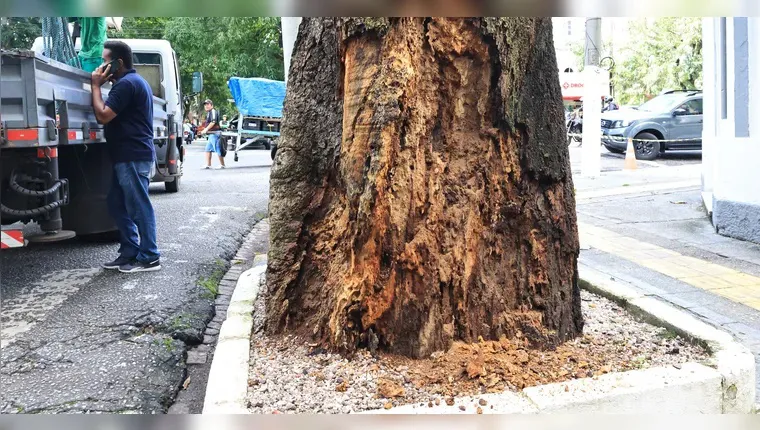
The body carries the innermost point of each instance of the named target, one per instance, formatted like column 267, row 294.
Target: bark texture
column 421, row 192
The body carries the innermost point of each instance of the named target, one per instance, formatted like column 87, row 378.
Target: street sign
column 572, row 84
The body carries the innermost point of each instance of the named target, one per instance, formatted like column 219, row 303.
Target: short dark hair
column 121, row 51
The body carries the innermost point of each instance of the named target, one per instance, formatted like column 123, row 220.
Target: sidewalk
column 649, row 229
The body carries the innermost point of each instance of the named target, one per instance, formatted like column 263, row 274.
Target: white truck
column 54, row 168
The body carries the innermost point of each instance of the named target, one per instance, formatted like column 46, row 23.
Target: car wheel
column 647, row 146
column 274, row 151
column 267, row 144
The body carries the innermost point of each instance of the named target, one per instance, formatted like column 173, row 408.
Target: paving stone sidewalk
column 661, row 242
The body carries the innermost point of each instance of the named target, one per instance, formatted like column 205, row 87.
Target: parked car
column 669, row 122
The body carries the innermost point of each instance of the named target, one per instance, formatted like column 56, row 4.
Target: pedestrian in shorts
column 213, row 131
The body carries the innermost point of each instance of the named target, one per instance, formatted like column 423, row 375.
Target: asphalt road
column 76, row 338
column 613, row 162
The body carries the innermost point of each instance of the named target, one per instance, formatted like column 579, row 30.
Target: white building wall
column 731, row 161
column 710, row 113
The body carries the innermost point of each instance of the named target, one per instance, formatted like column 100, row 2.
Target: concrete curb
column 227, row 387
column 726, row 385
column 732, row 361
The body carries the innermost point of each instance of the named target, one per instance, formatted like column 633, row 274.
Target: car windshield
column 661, row 103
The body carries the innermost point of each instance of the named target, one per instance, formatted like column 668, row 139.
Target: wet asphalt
column 77, row 338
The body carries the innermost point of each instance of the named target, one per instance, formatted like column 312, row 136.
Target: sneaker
column 220, row 168
column 114, row 265
column 205, row 167
column 136, row 266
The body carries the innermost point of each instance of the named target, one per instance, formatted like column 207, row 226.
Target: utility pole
column 593, row 41
column 591, row 162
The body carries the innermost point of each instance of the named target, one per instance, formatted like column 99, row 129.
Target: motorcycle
column 188, row 136
column 575, row 126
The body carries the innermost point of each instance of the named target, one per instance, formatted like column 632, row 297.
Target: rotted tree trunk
column 421, row 193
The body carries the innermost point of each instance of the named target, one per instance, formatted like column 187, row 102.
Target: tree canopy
column 223, row 47
column 664, row 54
column 661, row 54
column 19, row 33
column 219, row 47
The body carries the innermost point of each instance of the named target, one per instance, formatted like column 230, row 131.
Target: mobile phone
column 114, row 66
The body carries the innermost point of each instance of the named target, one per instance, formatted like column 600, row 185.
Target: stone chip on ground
column 293, row 377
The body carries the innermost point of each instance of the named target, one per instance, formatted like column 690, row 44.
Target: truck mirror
column 197, row 82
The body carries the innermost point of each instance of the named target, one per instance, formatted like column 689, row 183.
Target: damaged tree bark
column 421, row 192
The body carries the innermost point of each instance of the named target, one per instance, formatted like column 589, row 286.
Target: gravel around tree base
column 288, row 375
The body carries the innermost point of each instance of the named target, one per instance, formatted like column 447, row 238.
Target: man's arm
column 103, row 113
column 214, row 117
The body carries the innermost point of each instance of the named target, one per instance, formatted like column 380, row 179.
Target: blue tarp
column 258, row 96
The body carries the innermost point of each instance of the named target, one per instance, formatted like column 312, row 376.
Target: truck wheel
column 173, row 186
column 648, row 148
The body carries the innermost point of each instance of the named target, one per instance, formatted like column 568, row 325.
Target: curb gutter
column 227, row 387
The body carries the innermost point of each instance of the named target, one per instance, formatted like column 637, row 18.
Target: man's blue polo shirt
column 129, row 136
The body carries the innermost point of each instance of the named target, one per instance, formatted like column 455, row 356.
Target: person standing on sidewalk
column 213, row 130
column 128, row 119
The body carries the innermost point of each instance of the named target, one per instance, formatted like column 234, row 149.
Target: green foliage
column 140, row 28
column 19, row 33
column 211, row 284
column 664, row 54
column 223, row 47
column 219, row 47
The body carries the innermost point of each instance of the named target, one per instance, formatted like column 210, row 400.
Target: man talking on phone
column 128, row 118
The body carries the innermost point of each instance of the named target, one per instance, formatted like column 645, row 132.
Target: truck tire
column 647, row 150
column 173, row 186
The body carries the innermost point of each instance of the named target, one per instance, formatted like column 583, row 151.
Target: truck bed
column 35, row 91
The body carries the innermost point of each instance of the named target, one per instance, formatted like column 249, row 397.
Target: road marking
column 721, row 280
column 33, row 303
column 208, row 216
column 129, row 285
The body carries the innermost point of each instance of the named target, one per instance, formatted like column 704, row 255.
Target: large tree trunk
column 421, row 192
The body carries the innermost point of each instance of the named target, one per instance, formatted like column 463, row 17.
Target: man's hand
column 101, row 76
column 103, row 113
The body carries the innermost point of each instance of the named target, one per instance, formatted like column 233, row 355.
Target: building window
column 723, row 72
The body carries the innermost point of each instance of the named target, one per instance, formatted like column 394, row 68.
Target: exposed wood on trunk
column 422, row 192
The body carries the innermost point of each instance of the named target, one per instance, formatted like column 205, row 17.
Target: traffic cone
column 630, row 157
